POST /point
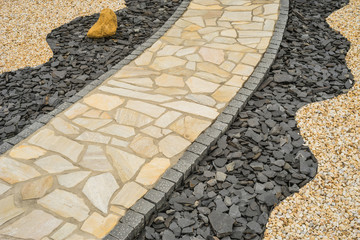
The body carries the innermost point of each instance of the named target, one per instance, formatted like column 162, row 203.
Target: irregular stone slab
column 145, row 82
column 105, row 26
column 236, row 16
column 26, row 152
column 129, row 194
column 103, row 102
column 144, row 146
column 93, row 137
column 216, row 56
column 121, row 84
column 225, row 93
column 187, row 51
column 98, row 225
column 244, row 70
column 144, row 59
column 76, row 110
column 55, row 164
column 99, row 190
column 79, row 237
column 70, row 180
column 251, row 59
column 64, row 126
column 152, row 131
column 162, row 63
column 169, row 149
column 12, row 171
column 202, row 99
column 198, row 85
column 91, row 124
column 46, row 138
column 189, row 127
column 125, row 163
column 236, row 81
column 196, row 20
column 37, row 188
column 64, row 231
column 152, row 171
column 134, row 94
column 65, row 204
column 167, row 118
column 222, row 223
column 171, row 91
column 130, row 71
column 8, row 210
column 212, row 68
column 94, row 113
column 3, row 188
column 118, row 142
column 132, row 118
column 95, row 159
column 167, row 80
column 118, row 130
column 193, row 108
column 146, row 108
column 169, row 50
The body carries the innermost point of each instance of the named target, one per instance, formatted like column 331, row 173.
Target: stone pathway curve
column 75, row 177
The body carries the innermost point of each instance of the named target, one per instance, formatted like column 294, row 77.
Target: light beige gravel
column 329, row 206
column 24, row 25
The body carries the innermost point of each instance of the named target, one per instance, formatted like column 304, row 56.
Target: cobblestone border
column 139, row 214
column 38, row 123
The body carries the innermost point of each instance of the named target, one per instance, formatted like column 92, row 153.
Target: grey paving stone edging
column 139, row 214
column 41, row 121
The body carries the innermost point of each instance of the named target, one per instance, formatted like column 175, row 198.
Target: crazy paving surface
column 328, row 206
column 75, row 177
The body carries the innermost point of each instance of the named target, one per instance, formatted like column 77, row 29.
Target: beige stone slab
column 98, row 225
column 64, row 126
column 201, row 99
column 167, row 80
column 190, row 127
column 248, row 41
column 210, row 36
column 26, row 152
column 269, row 25
column 229, row 33
column 264, row 43
column 173, row 40
column 144, row 146
column 76, row 110
column 212, row 55
column 230, row 47
column 193, row 108
column 235, row 56
column 171, row 91
column 186, row 51
column 37, row 188
column 146, row 108
column 195, row 20
column 55, row 164
column 70, row 180
column 12, row 171
column 126, row 164
column 251, row 59
column 129, row 194
column 118, row 142
column 79, row 237
column 118, row 130
column 156, row 46
column 225, row 93
column 207, row 30
column 35, row 225
column 65, row 204
column 91, row 124
column 152, row 131
column 131, row 71
column 8, row 210
column 103, row 101
column 169, row 149
column 191, row 66
column 225, row 40
column 118, row 210
column 209, row 76
column 236, row 16
column 144, row 58
column 248, row 34
column 3, row 188
column 152, row 171
column 227, row 66
column 64, row 231
column 249, row 26
column 198, row 85
column 99, row 189
column 167, row 118
column 96, row 159
column 212, row 68
column 211, row 22
column 236, row 81
column 121, row 84
column 234, row 2
column 244, row 70
column 162, row 63
column 93, row 113
column 190, row 36
column 195, row 6
column 206, row 2
column 93, row 137
column 144, row 82
column 132, row 118
column 169, row 50
column 134, row 94
column 46, row 138
column 270, row 9
column 194, row 57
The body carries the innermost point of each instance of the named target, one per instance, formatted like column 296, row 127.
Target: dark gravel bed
column 261, row 159
column 28, row 93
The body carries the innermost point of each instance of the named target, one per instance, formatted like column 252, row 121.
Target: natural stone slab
column 3, row 188
column 125, row 163
column 8, row 210
column 12, row 171
column 99, row 189
column 98, row 225
column 76, row 110
column 167, row 80
column 55, row 164
column 91, row 124
column 146, row 108
column 70, row 180
column 216, row 56
column 37, row 188
column 144, row 146
column 132, row 118
column 161, row 63
column 152, row 131
column 26, row 152
column 93, row 137
column 198, row 85
column 193, row 108
column 201, row 99
column 64, row 231
column 152, row 171
column 35, row 225
column 121, row 84
column 169, row 149
column 144, row 58
column 134, row 94
column 95, row 159
column 225, row 93
column 190, row 127
column 129, row 194
column 64, row 126
column 118, row 130
column 167, row 119
column 65, row 204
column 145, row 81
column 103, row 101
column 130, row 71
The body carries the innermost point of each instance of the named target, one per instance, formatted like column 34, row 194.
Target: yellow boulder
column 105, row 26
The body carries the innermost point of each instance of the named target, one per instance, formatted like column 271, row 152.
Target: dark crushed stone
column 269, row 159
column 28, row 93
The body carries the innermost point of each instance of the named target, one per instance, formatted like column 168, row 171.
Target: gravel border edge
column 44, row 119
column 140, row 213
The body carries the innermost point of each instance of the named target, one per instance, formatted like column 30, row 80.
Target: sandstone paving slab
column 8, row 209
column 96, row 159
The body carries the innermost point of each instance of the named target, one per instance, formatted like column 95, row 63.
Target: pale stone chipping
column 169, row 149
column 65, row 204
column 12, row 171
column 146, row 108
column 152, row 171
column 64, row 231
column 129, row 194
column 118, row 130
column 8, row 210
column 99, row 189
column 64, row 126
column 190, row 127
column 26, row 152
column 103, row 101
column 132, row 118
column 144, row 146
column 70, row 180
column 37, row 188
column 55, row 164
column 98, row 225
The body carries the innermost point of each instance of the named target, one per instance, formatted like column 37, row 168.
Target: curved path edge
column 140, row 213
column 44, row 119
